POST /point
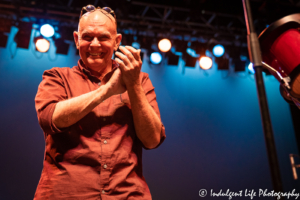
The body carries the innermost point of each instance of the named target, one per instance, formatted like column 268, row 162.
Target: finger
column 135, row 52
column 122, row 65
column 127, row 53
column 123, row 57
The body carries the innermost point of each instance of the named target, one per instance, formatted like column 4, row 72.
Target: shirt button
column 104, row 119
column 105, row 141
column 105, row 166
column 103, row 192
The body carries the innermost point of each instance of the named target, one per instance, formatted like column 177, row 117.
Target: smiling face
column 97, row 39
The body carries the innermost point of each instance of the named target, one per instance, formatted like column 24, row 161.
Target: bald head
column 97, row 18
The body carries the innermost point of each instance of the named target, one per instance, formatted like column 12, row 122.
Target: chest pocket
column 122, row 110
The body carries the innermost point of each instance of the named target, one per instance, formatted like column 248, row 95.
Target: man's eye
column 87, row 38
column 104, row 38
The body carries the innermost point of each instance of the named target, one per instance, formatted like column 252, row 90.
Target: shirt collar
column 82, row 68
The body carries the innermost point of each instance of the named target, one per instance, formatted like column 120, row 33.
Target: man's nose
column 95, row 42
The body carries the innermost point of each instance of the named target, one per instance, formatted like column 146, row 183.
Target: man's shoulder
column 144, row 75
column 61, row 71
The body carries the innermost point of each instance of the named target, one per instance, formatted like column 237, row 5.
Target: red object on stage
column 280, row 47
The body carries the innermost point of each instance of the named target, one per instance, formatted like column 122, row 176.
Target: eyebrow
column 106, row 33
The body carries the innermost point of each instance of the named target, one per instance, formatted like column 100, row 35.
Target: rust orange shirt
column 100, row 156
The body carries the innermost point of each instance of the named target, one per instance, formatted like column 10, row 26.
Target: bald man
column 97, row 117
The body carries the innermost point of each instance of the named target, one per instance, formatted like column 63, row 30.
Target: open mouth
column 95, row 54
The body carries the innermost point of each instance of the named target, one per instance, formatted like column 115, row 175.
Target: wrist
column 134, row 86
column 135, row 91
column 103, row 93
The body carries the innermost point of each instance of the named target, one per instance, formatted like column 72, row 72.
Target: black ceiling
column 222, row 20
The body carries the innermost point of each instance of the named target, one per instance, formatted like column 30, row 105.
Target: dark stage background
column 214, row 132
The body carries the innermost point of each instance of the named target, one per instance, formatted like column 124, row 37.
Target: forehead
column 97, row 21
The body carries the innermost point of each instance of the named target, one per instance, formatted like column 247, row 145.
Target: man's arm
column 70, row 111
column 147, row 124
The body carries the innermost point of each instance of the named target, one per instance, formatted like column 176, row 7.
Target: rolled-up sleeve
column 50, row 91
column 151, row 97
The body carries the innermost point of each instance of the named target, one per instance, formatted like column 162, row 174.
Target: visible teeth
column 95, row 54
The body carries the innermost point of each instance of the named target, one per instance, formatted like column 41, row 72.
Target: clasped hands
column 127, row 75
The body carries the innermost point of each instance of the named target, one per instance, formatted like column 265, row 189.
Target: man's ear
column 118, row 41
column 75, row 34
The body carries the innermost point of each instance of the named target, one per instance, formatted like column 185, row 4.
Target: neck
column 100, row 72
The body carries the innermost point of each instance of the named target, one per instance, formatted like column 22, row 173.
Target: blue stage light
column 47, row 30
column 155, row 58
column 250, row 68
column 218, row 50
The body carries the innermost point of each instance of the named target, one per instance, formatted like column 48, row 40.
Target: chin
column 95, row 63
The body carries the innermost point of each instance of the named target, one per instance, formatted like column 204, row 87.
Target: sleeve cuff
column 46, row 121
column 162, row 137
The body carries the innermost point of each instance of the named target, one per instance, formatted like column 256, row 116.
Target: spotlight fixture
column 200, row 49
column 164, row 45
column 191, row 55
column 41, row 44
column 5, row 26
column 66, row 32
column 236, row 60
column 155, row 58
column 61, row 46
column 218, row 50
column 172, row 58
column 205, row 62
column 22, row 37
column 190, row 61
column 3, row 39
column 47, row 30
column 239, row 65
column 222, row 62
